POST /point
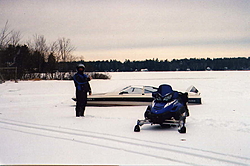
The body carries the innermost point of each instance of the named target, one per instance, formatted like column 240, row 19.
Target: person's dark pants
column 81, row 101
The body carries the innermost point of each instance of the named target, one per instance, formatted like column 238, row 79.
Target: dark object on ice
column 169, row 108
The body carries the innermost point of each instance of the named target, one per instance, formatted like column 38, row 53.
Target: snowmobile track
column 138, row 145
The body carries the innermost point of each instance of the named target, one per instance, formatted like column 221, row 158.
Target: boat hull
column 121, row 101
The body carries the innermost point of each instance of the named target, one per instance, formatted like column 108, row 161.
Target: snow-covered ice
column 38, row 123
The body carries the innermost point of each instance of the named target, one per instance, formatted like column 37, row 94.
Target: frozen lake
column 38, row 124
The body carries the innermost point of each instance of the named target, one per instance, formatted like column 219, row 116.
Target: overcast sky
column 136, row 29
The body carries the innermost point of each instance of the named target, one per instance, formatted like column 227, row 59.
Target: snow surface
column 38, row 123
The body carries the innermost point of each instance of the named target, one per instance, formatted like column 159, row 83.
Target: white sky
column 136, row 29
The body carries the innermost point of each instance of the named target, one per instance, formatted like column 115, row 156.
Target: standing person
column 81, row 81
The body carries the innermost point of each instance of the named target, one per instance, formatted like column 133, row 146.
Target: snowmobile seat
column 175, row 95
column 183, row 97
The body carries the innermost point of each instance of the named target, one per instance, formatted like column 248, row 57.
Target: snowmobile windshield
column 165, row 89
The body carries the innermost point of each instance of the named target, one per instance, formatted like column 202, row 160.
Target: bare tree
column 40, row 44
column 15, row 38
column 64, row 49
column 53, row 47
column 71, row 58
column 4, row 36
column 40, row 49
column 80, row 58
column 9, row 37
column 61, row 48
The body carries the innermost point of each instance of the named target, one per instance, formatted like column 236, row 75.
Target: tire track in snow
column 122, row 137
column 61, row 130
column 86, row 142
column 103, row 146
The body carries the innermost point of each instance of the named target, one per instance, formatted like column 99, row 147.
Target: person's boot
column 82, row 111
column 78, row 112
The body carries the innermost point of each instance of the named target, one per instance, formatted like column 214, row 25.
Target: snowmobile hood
column 161, row 107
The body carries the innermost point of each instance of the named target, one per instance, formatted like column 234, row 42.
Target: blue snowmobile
column 169, row 108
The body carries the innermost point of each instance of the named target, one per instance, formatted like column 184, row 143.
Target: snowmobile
column 169, row 108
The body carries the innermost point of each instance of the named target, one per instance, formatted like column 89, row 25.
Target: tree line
column 33, row 56
column 192, row 64
column 39, row 56
column 34, row 61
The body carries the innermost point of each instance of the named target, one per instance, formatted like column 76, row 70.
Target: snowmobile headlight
column 168, row 97
column 158, row 98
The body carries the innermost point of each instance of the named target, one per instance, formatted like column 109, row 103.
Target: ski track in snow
column 70, row 134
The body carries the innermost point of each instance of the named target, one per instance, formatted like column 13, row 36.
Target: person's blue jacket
column 82, row 82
